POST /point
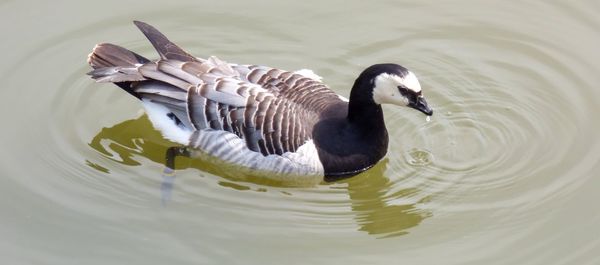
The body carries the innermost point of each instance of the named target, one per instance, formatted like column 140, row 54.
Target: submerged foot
column 166, row 186
column 168, row 174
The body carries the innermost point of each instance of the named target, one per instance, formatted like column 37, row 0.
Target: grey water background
column 506, row 172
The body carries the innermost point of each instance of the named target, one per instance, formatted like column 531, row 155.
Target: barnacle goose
column 260, row 118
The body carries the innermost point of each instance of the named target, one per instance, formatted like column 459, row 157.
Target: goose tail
column 115, row 64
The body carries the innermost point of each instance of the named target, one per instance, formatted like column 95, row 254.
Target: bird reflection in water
column 373, row 198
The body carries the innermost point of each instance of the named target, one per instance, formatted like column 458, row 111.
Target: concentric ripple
column 507, row 159
column 509, row 110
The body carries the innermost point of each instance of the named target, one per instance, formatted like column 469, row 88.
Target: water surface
column 504, row 173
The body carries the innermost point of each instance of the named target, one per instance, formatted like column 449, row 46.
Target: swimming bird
column 282, row 122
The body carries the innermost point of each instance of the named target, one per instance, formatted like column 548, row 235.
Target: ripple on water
column 504, row 128
column 417, row 157
column 106, row 159
column 492, row 132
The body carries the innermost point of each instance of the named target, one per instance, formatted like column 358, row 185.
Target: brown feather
column 163, row 46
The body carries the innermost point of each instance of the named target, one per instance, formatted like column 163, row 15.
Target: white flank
column 310, row 74
column 302, row 166
column 306, row 156
column 158, row 116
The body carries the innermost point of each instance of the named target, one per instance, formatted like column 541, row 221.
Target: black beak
column 421, row 105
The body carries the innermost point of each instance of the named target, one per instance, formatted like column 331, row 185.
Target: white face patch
column 411, row 82
column 386, row 88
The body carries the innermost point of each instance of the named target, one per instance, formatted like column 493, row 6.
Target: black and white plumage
column 287, row 123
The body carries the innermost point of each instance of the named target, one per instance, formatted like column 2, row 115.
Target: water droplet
column 418, row 157
column 449, row 113
column 428, row 118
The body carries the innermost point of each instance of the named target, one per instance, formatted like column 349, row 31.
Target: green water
column 505, row 172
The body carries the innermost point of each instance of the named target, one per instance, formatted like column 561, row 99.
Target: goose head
column 391, row 84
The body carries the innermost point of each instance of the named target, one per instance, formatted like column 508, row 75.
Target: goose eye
column 403, row 90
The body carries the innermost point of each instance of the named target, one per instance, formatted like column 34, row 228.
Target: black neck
column 362, row 110
column 351, row 142
column 366, row 117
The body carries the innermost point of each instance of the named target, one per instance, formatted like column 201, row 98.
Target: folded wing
column 266, row 107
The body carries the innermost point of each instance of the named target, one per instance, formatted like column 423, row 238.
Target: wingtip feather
column 144, row 27
column 165, row 48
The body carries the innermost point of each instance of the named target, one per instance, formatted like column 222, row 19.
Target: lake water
column 506, row 171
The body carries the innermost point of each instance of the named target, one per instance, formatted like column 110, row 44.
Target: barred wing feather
column 272, row 110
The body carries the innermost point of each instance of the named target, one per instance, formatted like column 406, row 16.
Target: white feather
column 158, row 116
column 343, row 98
column 302, row 166
column 411, row 81
column 310, row 74
column 386, row 88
